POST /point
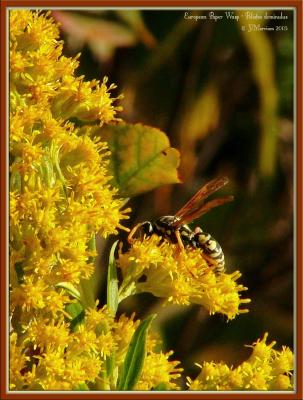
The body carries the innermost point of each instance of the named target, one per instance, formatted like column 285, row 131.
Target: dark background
column 224, row 96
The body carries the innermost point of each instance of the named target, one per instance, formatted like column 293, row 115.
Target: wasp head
column 147, row 228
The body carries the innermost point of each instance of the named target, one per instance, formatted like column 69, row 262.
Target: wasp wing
column 202, row 210
column 194, row 204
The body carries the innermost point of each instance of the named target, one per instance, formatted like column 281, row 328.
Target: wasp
column 175, row 229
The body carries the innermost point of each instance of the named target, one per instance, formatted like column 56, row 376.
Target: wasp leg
column 181, row 247
column 215, row 266
column 132, row 232
column 180, row 243
column 209, row 259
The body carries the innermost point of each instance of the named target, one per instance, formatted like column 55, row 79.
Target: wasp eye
column 147, row 227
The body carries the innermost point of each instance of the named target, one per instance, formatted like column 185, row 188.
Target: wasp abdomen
column 211, row 248
column 165, row 228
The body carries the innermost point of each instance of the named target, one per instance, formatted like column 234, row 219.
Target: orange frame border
column 5, row 4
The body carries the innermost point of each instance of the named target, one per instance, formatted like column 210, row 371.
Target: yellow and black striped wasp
column 175, row 229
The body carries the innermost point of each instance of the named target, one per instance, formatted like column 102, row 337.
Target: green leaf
column 134, row 359
column 81, row 387
column 19, row 271
column 71, row 290
column 141, row 157
column 76, row 311
column 46, row 171
column 15, row 182
column 88, row 287
column 161, row 387
column 112, row 281
column 110, row 364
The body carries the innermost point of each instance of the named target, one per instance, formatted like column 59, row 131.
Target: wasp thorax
column 167, row 221
column 165, row 227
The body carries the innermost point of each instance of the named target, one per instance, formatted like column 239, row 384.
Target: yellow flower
column 60, row 198
column 32, row 30
column 54, row 332
column 99, row 320
column 182, row 277
column 281, row 382
column 261, row 351
column 123, row 331
column 106, row 344
column 158, row 369
column 51, row 367
column 80, row 369
column 17, row 362
column 265, row 369
column 30, row 295
column 83, row 340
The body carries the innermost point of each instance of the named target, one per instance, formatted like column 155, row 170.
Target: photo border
column 298, row 177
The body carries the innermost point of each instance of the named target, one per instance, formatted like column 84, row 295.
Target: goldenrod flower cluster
column 60, row 192
column 181, row 277
column 265, row 369
column 49, row 357
column 60, row 198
